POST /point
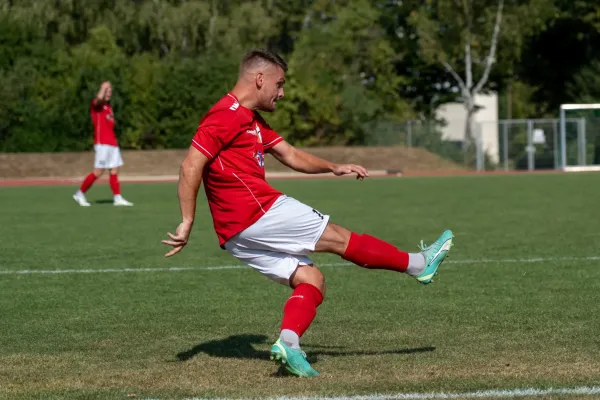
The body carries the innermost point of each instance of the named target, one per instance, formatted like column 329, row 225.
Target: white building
column 484, row 121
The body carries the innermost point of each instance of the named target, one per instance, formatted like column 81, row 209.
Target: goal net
column 580, row 137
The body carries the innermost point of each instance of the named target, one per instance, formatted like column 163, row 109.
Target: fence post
column 409, row 136
column 581, row 141
column 555, row 144
column 563, row 139
column 479, row 154
column 530, row 148
column 505, row 141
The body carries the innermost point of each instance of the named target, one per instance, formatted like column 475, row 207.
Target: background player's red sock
column 370, row 252
column 300, row 310
column 88, row 182
column 114, row 184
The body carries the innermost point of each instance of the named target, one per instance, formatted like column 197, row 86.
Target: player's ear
column 260, row 80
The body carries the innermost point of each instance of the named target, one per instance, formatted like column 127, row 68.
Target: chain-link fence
column 519, row 144
column 526, row 144
column 427, row 134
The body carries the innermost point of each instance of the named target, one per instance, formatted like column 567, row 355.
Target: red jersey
column 104, row 124
column 235, row 139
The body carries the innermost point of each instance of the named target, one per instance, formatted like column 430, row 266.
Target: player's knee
column 98, row 172
column 114, row 171
column 308, row 274
column 334, row 240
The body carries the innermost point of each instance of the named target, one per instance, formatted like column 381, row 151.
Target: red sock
column 301, row 308
column 88, row 182
column 114, row 184
column 370, row 252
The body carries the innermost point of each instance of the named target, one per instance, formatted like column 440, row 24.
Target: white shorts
column 107, row 157
column 280, row 240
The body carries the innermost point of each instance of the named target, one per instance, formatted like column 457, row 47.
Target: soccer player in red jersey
column 106, row 148
column 262, row 227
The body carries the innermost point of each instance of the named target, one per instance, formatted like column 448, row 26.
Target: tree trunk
column 214, row 14
column 468, row 155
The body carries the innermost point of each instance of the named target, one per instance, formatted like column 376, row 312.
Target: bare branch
column 457, row 77
column 491, row 58
column 468, row 59
column 468, row 64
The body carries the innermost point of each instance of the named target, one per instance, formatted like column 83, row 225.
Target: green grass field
column 515, row 306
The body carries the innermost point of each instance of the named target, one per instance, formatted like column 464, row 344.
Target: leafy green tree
column 341, row 77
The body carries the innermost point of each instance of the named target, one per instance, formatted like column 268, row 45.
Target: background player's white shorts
column 280, row 240
column 107, row 156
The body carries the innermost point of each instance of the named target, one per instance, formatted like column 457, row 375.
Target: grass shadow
column 103, row 201
column 235, row 346
column 242, row 346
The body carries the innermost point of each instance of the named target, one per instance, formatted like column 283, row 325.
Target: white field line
column 480, row 394
column 225, row 267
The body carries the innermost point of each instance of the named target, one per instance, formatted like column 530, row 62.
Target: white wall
column 486, row 120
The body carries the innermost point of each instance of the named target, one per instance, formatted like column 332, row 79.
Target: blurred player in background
column 262, row 227
column 106, row 148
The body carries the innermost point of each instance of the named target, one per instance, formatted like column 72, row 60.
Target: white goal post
column 581, row 139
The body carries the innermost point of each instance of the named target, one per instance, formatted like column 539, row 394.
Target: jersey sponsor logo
column 234, row 106
column 255, row 132
column 260, row 158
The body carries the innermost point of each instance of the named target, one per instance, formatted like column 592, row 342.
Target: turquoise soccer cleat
column 294, row 360
column 434, row 256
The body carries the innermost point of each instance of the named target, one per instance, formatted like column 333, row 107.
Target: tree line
column 356, row 67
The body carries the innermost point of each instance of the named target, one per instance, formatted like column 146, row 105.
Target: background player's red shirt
column 235, row 138
column 104, row 124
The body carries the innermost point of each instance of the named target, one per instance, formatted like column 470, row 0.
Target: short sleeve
column 214, row 133
column 269, row 137
column 95, row 106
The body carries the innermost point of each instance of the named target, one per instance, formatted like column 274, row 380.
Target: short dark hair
column 265, row 55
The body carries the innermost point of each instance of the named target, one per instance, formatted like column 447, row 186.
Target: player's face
column 108, row 93
column 271, row 90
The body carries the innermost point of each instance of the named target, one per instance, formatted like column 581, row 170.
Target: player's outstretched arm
column 302, row 161
column 190, row 177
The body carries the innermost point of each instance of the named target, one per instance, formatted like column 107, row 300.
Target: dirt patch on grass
column 166, row 162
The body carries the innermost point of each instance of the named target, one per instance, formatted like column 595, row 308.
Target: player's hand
column 344, row 169
column 104, row 88
column 179, row 239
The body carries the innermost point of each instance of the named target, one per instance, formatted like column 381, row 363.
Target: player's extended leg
column 298, row 313
column 116, row 189
column 369, row 252
column 89, row 180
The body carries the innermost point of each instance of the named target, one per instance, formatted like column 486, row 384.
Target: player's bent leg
column 299, row 312
column 292, row 270
column 116, row 189
column 373, row 253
